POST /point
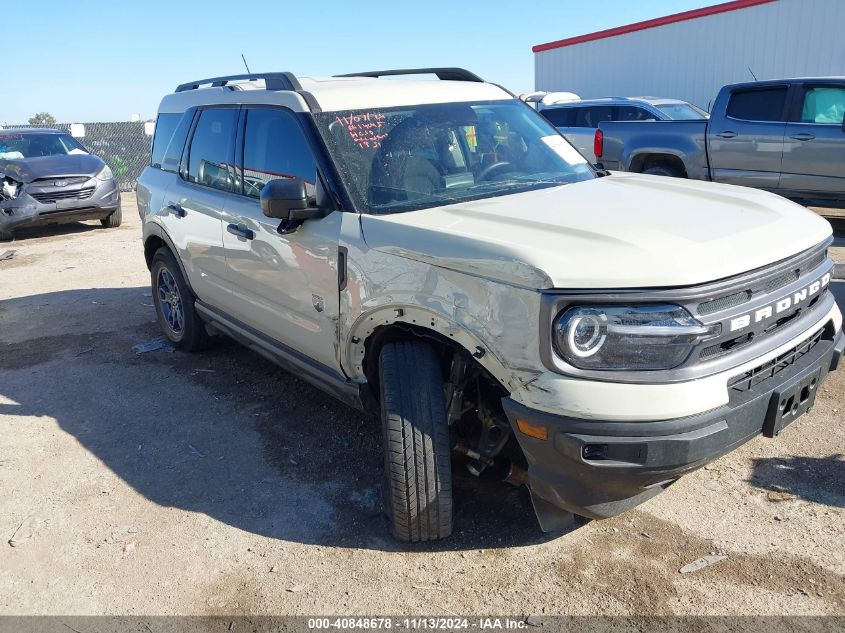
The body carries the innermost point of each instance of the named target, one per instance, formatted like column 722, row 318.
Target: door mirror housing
column 281, row 197
column 287, row 199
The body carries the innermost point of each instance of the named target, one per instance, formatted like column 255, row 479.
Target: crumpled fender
column 495, row 322
column 17, row 210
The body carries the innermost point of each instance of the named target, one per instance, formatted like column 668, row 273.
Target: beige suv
column 437, row 253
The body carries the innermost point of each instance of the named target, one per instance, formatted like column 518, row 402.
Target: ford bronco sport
column 437, row 252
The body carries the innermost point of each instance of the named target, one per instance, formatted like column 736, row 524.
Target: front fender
column 497, row 323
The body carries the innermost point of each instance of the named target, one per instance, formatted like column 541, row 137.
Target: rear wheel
column 113, row 220
column 663, row 170
column 418, row 470
column 174, row 304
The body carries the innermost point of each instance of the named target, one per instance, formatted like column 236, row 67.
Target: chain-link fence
column 123, row 145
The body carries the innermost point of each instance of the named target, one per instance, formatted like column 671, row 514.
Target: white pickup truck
column 437, row 253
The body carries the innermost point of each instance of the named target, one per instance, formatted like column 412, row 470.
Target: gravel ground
column 215, row 483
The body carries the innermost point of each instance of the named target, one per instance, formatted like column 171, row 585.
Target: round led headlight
column 627, row 337
column 585, row 332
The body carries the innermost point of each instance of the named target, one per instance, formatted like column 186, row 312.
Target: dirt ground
column 215, row 483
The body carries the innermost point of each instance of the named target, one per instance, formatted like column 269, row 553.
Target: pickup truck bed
column 784, row 136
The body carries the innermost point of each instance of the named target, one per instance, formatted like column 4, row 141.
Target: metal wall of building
column 691, row 60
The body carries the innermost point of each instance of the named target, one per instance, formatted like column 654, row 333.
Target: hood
column 29, row 169
column 620, row 231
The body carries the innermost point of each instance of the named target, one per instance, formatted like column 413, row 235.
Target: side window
column 173, row 153
column 559, row 117
column 633, row 113
column 165, row 124
column 592, row 116
column 210, row 156
column 274, row 147
column 764, row 104
column 824, row 105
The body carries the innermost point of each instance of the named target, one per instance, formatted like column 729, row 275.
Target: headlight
column 105, row 173
column 648, row 337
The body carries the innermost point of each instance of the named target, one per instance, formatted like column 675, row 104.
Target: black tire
column 417, row 458
column 174, row 304
column 663, row 170
column 113, row 220
column 6, row 236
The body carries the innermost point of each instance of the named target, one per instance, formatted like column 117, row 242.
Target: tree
column 42, row 118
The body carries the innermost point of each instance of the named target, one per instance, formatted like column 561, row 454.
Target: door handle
column 176, row 209
column 726, row 134
column 241, row 231
column 802, row 137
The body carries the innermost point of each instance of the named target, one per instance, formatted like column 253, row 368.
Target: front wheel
column 113, row 220
column 418, row 470
column 174, row 304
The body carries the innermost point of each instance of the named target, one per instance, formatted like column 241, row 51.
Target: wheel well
column 385, row 334
column 153, row 243
column 445, row 347
column 479, row 427
column 645, row 161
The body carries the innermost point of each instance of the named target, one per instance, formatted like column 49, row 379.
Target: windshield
column 16, row 146
column 401, row 159
column 682, row 111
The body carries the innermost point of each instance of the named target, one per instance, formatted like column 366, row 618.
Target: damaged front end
column 15, row 206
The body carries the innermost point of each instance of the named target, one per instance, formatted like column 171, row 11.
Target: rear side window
column 173, row 153
column 633, row 113
column 559, row 117
column 824, row 105
column 210, row 157
column 592, row 116
column 758, row 105
column 274, row 147
column 165, row 125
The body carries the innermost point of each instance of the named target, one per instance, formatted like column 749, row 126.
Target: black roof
column 791, row 80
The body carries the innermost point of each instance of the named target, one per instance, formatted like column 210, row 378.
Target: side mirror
column 287, row 199
column 281, row 197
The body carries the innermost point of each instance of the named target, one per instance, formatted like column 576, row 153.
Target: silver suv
column 435, row 252
column 578, row 119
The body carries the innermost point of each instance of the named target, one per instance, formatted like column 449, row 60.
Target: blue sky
column 103, row 61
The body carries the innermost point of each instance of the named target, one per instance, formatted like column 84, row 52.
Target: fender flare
column 154, row 229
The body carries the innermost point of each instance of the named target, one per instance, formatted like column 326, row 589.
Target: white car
column 437, row 253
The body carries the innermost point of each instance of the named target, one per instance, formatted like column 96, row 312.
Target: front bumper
column 599, row 469
column 26, row 210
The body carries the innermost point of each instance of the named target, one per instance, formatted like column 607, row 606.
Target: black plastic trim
column 342, row 257
column 272, row 81
column 444, row 74
column 319, row 375
column 599, row 468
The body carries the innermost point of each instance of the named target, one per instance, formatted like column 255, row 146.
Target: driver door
column 283, row 286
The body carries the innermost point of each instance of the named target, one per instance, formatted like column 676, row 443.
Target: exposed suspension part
column 476, row 416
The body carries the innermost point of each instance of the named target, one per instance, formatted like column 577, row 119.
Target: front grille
column 62, row 194
column 791, row 275
column 51, row 181
column 733, row 344
column 723, row 303
column 772, row 368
